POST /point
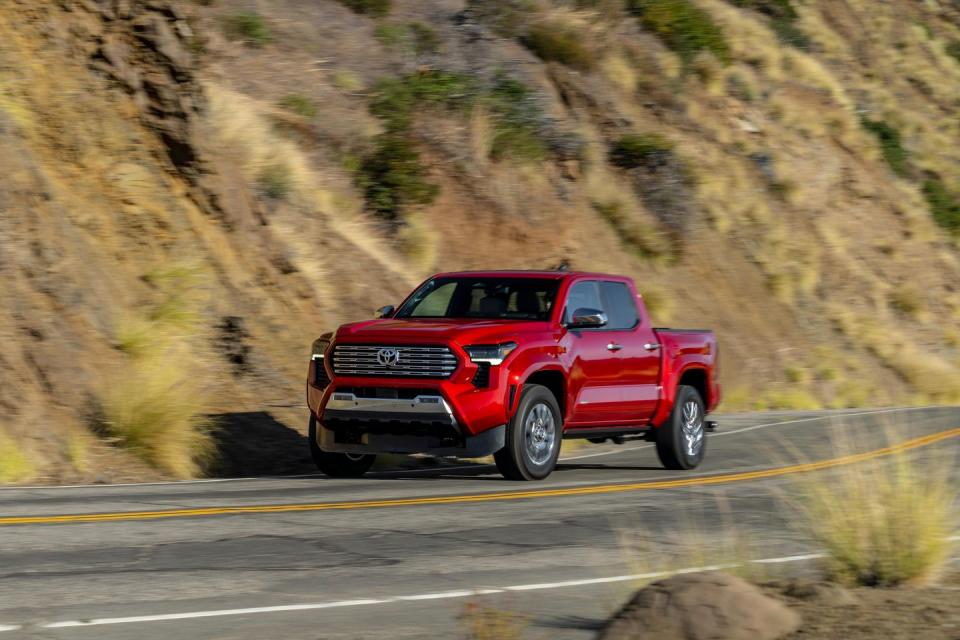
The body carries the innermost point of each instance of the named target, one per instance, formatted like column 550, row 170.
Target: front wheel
column 681, row 440
column 532, row 443
column 338, row 465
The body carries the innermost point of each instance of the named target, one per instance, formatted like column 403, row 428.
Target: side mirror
column 585, row 318
column 385, row 312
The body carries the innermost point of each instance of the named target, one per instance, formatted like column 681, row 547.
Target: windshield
column 492, row 298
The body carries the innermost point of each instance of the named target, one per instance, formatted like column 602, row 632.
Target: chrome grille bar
column 410, row 361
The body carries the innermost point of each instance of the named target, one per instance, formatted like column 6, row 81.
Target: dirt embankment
column 240, row 144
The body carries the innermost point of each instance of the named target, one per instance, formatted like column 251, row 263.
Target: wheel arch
column 555, row 382
column 696, row 377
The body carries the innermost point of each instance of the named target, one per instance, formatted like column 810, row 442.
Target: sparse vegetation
column 637, row 149
column 425, row 38
column 907, row 300
column 783, row 20
column 372, row 8
column 484, row 622
column 154, row 407
column 248, row 27
column 152, row 403
column 518, row 121
column 507, row 18
column 15, row 466
column 274, row 181
column 300, row 105
column 890, row 144
column 642, row 239
column 882, row 523
column 944, row 206
column 396, row 100
column 953, row 49
column 393, row 177
column 554, row 42
column 418, row 38
column 683, row 26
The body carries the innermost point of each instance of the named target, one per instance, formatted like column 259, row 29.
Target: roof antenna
column 563, row 266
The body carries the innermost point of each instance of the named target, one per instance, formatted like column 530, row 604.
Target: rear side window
column 582, row 295
column 620, row 305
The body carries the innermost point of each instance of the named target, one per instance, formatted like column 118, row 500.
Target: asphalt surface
column 405, row 555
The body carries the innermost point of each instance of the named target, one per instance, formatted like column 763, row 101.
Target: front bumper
column 424, row 423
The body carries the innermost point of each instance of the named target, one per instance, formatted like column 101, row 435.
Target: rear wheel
column 533, row 437
column 681, row 440
column 338, row 465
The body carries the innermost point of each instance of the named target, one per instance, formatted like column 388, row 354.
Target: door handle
column 651, row 346
column 613, row 346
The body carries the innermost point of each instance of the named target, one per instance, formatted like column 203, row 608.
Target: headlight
column 319, row 348
column 490, row 353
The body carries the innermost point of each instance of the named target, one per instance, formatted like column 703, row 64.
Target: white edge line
column 9, row 627
column 832, row 414
column 464, row 593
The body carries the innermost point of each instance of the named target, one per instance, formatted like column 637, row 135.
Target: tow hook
column 711, row 426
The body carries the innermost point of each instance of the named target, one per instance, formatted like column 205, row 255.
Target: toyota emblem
column 388, row 357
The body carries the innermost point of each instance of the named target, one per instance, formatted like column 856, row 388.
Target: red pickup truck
column 510, row 363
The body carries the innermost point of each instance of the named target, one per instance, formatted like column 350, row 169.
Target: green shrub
column 783, row 20
column 299, row 104
column 890, row 144
column 517, row 121
column 392, row 36
column 374, row 8
column 249, row 27
column 637, row 149
column 507, row 18
column 396, row 99
column 953, row 49
column 684, row 27
column 415, row 37
column 944, row 206
column 425, row 38
column 556, row 43
column 274, row 181
column 392, row 177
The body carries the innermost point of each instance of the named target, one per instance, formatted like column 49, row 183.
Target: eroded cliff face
column 150, row 164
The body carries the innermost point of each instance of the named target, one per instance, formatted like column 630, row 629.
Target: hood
column 435, row 330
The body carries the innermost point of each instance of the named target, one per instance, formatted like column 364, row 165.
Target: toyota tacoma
column 510, row 363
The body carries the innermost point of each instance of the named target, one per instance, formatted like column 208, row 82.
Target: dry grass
column 882, row 523
column 15, row 464
column 486, row 622
column 154, row 407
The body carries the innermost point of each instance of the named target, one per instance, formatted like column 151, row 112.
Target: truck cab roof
column 528, row 273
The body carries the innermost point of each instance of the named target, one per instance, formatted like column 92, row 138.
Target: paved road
column 400, row 555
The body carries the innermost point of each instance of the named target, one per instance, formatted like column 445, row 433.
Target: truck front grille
column 400, row 361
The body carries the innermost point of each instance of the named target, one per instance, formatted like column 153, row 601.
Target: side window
column 435, row 303
column 582, row 295
column 620, row 305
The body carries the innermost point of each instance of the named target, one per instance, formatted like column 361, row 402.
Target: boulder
column 701, row 606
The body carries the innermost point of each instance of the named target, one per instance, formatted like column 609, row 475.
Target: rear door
column 595, row 368
column 638, row 353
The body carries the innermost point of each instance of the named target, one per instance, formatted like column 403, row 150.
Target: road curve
column 400, row 554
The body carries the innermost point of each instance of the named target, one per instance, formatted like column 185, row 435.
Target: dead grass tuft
column 882, row 523
column 15, row 465
column 485, row 622
column 154, row 407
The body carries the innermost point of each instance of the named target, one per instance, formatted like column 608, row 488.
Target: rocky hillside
column 192, row 191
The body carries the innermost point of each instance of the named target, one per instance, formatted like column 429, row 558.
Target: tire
column 337, row 465
column 533, row 438
column 681, row 440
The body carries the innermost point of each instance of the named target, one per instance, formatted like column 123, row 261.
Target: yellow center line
column 806, row 467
